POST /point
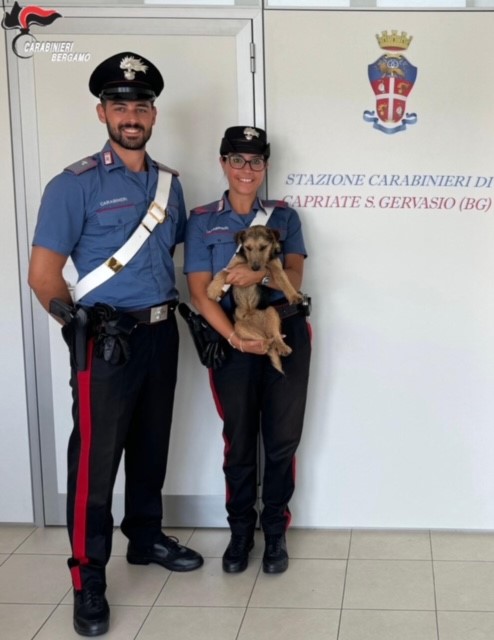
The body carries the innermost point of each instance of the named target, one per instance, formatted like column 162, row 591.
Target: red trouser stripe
column 288, row 515
column 216, row 398
column 219, row 409
column 226, row 451
column 82, row 486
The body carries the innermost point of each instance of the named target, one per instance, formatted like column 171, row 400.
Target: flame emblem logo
column 23, row 18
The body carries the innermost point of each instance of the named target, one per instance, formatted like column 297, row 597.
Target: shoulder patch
column 81, row 166
column 215, row 206
column 163, row 167
column 280, row 204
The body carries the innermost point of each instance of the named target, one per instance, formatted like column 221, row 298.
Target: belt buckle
column 157, row 314
column 160, row 215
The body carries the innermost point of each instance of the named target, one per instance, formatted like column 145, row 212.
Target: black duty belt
column 152, row 315
column 286, row 310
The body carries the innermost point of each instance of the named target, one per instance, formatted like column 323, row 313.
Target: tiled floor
column 341, row 585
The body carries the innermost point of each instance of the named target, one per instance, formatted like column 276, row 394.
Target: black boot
column 275, row 559
column 91, row 612
column 236, row 556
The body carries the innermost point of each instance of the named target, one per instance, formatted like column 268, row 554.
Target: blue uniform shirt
column 210, row 244
column 90, row 210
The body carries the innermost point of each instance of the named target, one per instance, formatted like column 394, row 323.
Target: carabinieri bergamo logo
column 22, row 18
column 392, row 78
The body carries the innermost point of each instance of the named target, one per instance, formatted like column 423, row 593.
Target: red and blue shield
column 392, row 78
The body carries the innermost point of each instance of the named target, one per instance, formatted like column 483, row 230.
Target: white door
column 206, row 62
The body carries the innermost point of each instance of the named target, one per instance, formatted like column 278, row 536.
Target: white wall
column 399, row 423
column 15, row 474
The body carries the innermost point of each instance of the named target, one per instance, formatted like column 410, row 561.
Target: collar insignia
column 107, row 158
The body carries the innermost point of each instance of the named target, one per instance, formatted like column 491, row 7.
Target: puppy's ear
column 275, row 234
column 239, row 237
column 239, row 240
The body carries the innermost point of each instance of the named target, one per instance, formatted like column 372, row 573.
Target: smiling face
column 243, row 182
column 129, row 123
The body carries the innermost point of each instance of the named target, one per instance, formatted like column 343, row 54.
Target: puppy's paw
column 295, row 298
column 215, row 289
column 283, row 349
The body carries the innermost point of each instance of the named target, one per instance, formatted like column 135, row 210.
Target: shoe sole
column 236, row 568
column 271, row 568
column 132, row 560
column 91, row 633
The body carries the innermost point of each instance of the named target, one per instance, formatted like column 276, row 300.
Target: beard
column 135, row 142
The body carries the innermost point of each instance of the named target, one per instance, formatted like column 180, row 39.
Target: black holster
column 112, row 329
column 75, row 330
column 305, row 306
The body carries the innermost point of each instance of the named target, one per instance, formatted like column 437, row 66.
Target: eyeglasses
column 237, row 161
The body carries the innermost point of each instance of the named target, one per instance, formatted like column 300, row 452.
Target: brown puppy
column 258, row 248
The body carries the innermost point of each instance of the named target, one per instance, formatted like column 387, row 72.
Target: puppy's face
column 259, row 245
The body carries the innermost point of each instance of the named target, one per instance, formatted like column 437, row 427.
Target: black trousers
column 120, row 408
column 253, row 397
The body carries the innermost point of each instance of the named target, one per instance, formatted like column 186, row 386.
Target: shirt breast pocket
column 117, row 223
column 222, row 248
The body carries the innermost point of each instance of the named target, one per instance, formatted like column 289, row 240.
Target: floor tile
column 464, row 586
column 125, row 623
column 134, row 584
column 390, row 545
column 318, row 543
column 462, row 545
column 192, row 623
column 11, row 536
column 290, row 624
column 211, row 543
column 307, row 584
column 389, row 584
column 456, row 625
column 119, row 543
column 46, row 540
column 35, row 579
column 388, row 625
column 21, row 621
column 388, row 588
column 210, row 586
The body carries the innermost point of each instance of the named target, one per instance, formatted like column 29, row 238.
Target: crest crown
column 394, row 41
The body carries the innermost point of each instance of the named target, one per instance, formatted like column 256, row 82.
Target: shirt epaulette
column 281, row 204
column 217, row 206
column 163, row 167
column 82, row 166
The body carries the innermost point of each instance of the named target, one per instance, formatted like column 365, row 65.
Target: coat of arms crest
column 392, row 78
